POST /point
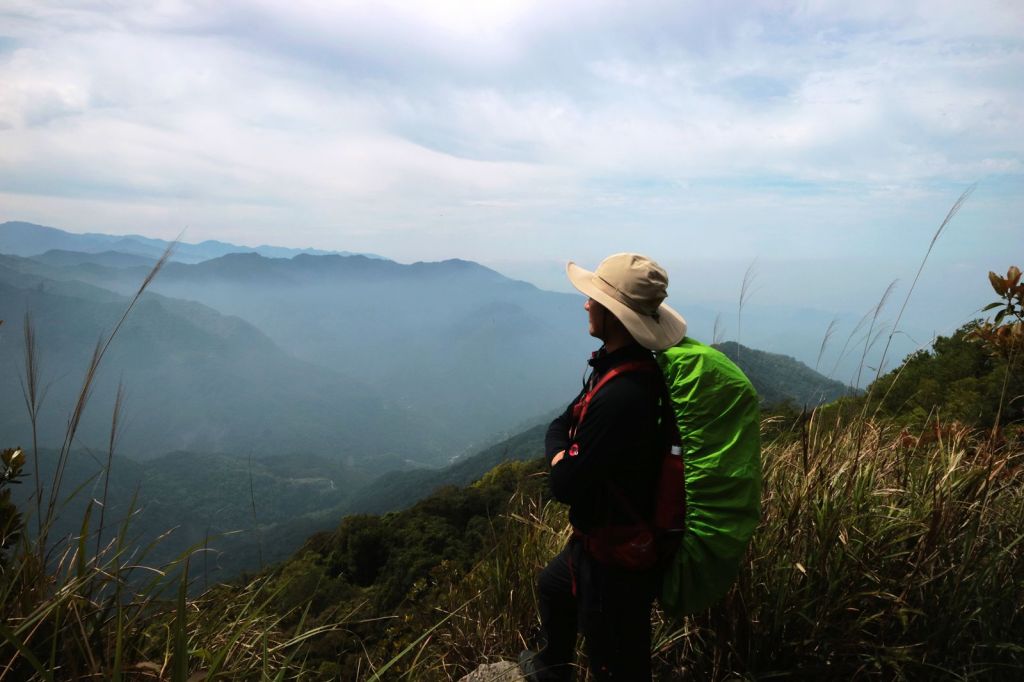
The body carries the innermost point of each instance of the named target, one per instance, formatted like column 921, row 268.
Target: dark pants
column 611, row 607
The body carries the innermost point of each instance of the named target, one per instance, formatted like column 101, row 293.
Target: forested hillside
column 400, row 489
column 780, row 378
column 194, row 379
column 959, row 379
column 245, row 512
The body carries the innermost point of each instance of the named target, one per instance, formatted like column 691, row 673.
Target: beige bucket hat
column 633, row 288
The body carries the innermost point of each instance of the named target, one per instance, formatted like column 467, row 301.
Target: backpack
column 717, row 412
column 708, row 498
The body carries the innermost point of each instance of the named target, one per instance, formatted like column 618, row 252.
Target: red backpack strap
column 636, row 365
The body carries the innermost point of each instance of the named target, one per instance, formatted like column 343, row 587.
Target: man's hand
column 558, row 457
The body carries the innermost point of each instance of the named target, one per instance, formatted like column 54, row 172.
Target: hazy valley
column 275, row 395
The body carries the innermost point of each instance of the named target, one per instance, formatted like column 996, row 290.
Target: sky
column 821, row 143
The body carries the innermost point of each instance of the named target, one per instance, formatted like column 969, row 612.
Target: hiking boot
column 534, row 669
column 528, row 665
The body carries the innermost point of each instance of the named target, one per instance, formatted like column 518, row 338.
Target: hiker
column 605, row 453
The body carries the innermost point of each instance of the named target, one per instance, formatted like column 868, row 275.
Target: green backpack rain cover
column 718, row 414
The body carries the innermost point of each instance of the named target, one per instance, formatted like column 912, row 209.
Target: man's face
column 595, row 316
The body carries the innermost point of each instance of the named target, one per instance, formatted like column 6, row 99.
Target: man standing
column 605, row 453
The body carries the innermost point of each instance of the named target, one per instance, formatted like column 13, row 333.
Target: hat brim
column 665, row 331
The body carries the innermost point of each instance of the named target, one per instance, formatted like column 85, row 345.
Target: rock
column 503, row 671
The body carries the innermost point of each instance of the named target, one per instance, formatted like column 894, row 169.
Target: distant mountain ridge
column 780, row 378
column 474, row 352
column 467, row 352
column 108, row 259
column 195, row 379
column 28, row 239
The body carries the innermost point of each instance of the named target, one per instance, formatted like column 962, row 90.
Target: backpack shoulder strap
column 636, row 365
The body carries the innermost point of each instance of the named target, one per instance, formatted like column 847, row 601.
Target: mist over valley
column 275, row 395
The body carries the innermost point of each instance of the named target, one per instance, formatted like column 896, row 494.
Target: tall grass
column 746, row 291
column 503, row 619
column 908, row 565
column 89, row 606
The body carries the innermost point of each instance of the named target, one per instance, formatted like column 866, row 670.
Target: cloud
column 510, row 127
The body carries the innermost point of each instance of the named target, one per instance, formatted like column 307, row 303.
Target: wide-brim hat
column 633, row 288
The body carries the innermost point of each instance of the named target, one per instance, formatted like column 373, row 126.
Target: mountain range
column 195, row 380
column 28, row 239
column 473, row 352
column 276, row 395
column 357, row 357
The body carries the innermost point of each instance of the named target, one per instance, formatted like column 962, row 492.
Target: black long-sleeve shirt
column 619, row 443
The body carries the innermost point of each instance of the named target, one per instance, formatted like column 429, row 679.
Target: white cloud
column 530, row 127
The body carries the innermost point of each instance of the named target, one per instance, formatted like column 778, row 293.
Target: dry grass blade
column 849, row 339
column 34, row 394
column 86, row 391
column 871, row 337
column 954, row 209
column 829, row 331
column 746, row 291
column 115, row 423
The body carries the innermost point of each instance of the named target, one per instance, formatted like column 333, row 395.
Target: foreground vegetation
column 892, row 547
column 904, row 561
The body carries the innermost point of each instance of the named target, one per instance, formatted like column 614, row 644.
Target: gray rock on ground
column 503, row 671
